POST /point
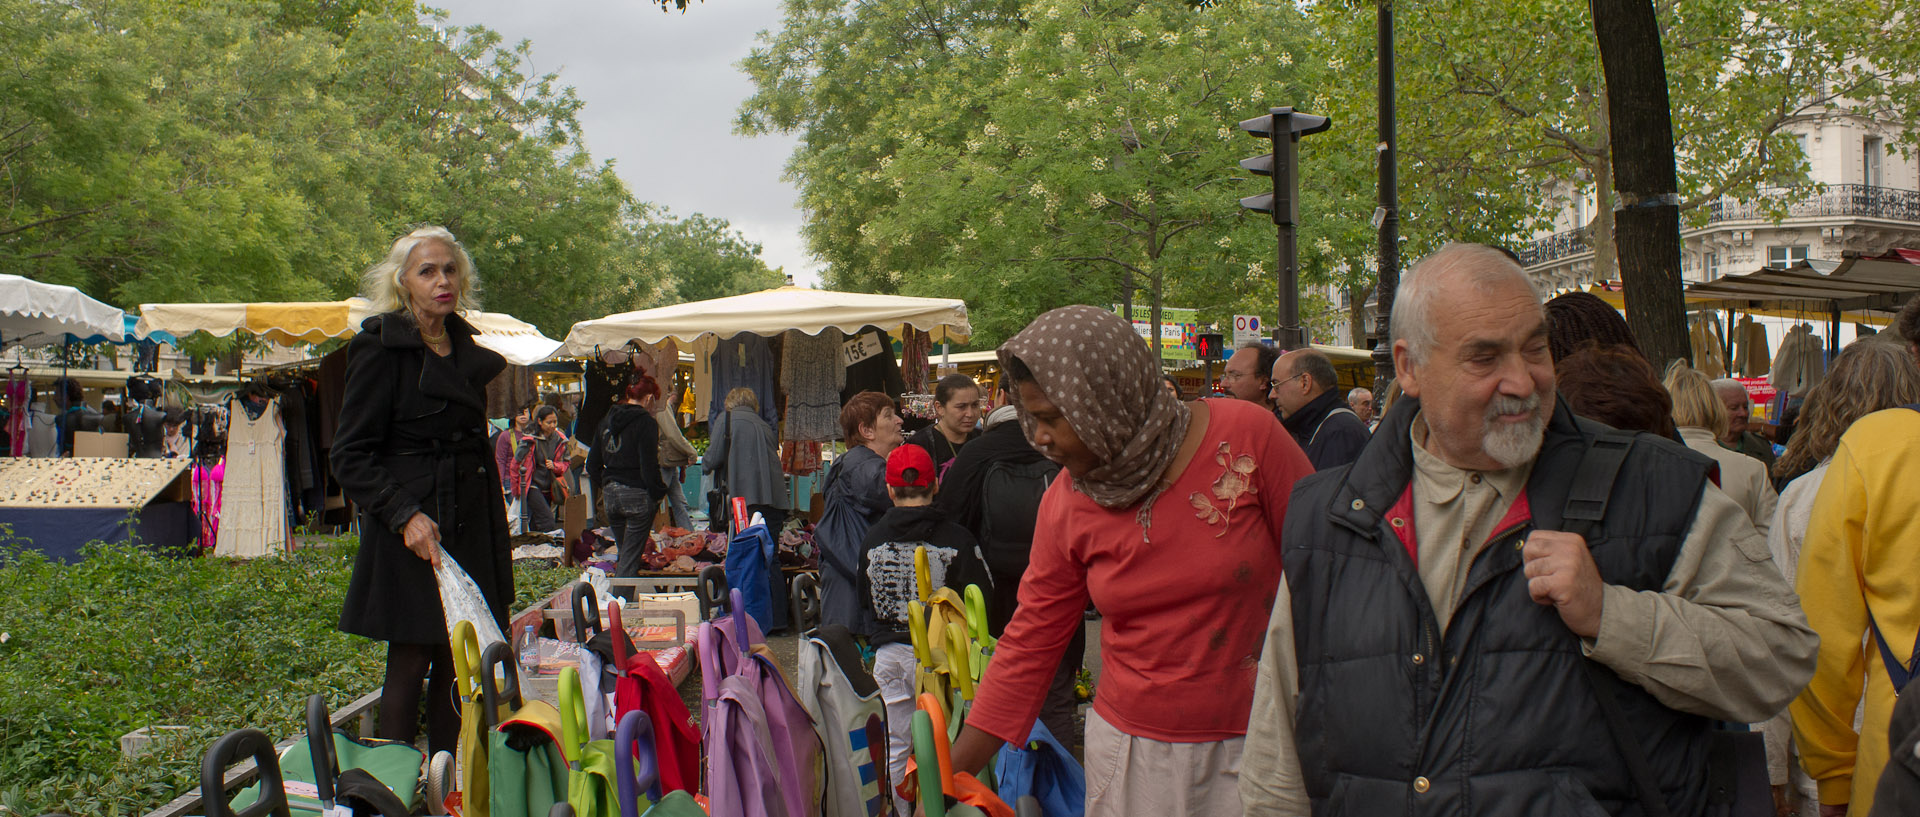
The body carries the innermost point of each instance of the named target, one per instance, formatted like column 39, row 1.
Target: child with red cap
column 887, row 581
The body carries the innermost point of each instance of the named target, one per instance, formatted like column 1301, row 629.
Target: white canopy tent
column 300, row 323
column 772, row 312
column 36, row 312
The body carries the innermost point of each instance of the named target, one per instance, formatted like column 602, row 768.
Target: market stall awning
column 516, row 340
column 1875, row 284
column 770, row 313
column 41, row 313
column 288, row 324
column 303, row 323
column 131, row 324
column 1614, row 294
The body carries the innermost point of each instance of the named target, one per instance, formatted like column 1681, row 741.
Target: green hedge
column 126, row 639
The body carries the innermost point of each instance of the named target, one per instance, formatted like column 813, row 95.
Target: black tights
column 409, row 666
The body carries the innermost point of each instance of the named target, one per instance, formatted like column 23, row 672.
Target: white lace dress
column 253, row 500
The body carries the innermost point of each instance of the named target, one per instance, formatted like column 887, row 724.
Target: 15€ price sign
column 860, row 348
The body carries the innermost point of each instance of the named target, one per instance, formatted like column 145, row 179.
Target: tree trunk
column 1156, row 279
column 1357, row 314
column 1640, row 125
column 1606, row 266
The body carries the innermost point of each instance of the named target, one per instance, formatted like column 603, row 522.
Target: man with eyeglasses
column 1247, row 376
column 1313, row 411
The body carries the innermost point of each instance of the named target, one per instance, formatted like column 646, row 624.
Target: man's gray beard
column 1512, row 444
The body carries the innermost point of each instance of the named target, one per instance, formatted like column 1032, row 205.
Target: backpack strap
column 1330, row 415
column 1586, row 509
column 1897, row 672
column 1593, row 481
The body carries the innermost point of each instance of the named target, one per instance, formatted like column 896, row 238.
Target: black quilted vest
column 1496, row 718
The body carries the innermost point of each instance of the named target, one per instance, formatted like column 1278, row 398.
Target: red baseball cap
column 909, row 466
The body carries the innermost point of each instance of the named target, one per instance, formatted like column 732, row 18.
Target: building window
column 1710, row 264
column 1872, row 150
column 1782, row 257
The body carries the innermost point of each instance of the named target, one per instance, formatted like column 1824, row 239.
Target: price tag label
column 860, row 348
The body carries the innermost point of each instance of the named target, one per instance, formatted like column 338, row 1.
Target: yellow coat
column 1861, row 555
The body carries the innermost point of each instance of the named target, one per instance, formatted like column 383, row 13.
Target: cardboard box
column 576, row 517
column 99, row 444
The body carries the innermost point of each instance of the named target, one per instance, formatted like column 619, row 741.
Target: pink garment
column 207, row 481
column 18, row 393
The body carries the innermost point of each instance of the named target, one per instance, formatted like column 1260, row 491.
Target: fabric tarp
column 1872, row 283
column 44, row 313
column 770, row 313
column 300, row 323
column 1867, row 289
column 61, row 533
column 131, row 324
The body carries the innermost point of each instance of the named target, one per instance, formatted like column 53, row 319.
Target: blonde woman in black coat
column 412, row 454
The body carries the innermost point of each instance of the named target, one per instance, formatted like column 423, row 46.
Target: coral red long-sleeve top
column 1184, row 614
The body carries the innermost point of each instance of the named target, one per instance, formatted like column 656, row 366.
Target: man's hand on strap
column 1561, row 573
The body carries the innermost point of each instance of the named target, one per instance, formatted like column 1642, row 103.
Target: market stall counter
column 58, row 506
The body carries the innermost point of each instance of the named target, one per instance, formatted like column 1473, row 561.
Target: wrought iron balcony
column 1554, row 247
column 1839, row 200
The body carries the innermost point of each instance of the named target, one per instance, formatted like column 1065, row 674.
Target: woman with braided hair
column 1579, row 319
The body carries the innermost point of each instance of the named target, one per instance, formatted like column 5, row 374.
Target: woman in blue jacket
column 856, row 497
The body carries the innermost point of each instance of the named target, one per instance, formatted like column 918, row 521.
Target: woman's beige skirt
column 1129, row 776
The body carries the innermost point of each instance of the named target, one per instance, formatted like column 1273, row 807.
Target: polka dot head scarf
column 1107, row 384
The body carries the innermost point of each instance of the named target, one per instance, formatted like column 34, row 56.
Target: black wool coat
column 413, row 438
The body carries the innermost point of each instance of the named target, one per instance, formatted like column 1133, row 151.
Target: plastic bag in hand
column 461, row 600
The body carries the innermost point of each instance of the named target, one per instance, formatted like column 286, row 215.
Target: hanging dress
column 206, row 501
column 19, row 392
column 253, row 497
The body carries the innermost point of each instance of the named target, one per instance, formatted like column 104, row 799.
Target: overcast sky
column 660, row 92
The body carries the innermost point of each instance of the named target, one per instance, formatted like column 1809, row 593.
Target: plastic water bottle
column 529, row 652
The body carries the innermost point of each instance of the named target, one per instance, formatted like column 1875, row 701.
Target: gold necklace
column 432, row 340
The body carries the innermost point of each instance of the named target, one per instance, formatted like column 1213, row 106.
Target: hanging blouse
column 811, row 374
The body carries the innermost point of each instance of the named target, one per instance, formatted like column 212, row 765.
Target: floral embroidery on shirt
column 1235, row 482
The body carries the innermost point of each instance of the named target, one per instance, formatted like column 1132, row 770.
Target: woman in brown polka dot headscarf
column 1104, row 380
column 1168, row 519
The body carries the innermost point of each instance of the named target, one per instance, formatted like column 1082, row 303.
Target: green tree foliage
column 858, row 81
column 229, row 150
column 956, row 147
column 1037, row 155
column 1502, row 106
column 700, row 257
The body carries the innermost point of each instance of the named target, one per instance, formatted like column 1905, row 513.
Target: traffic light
column 1284, row 126
column 1208, row 347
